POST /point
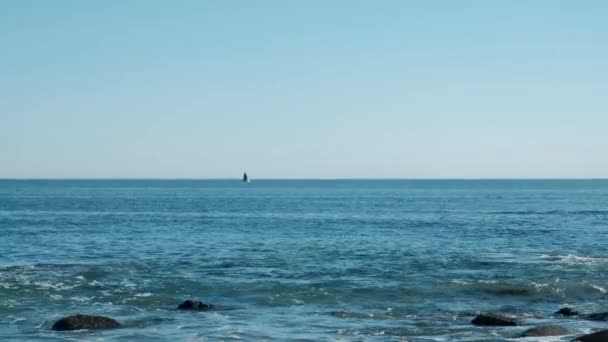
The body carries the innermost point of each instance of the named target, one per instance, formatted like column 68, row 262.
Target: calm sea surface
column 300, row 260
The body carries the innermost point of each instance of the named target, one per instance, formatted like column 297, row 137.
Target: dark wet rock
column 566, row 311
column 493, row 319
column 600, row 336
column 78, row 322
column 509, row 291
column 547, row 330
column 598, row 316
column 195, row 305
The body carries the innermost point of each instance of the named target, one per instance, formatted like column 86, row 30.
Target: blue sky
column 303, row 89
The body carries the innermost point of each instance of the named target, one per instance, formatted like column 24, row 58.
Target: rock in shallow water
column 566, row 311
column 493, row 319
column 600, row 336
column 509, row 291
column 599, row 316
column 78, row 322
column 195, row 305
column 548, row 330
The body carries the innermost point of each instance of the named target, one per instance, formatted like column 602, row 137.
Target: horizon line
column 286, row 178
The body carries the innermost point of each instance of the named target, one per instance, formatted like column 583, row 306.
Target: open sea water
column 307, row 260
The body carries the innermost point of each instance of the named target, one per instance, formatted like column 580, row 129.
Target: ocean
column 306, row 260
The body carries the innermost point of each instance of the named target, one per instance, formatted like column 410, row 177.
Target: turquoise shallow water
column 300, row 260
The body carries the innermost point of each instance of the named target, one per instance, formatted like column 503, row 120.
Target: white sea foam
column 54, row 286
column 539, row 286
column 145, row 294
column 16, row 320
column 599, row 288
column 572, row 259
column 82, row 298
column 7, row 286
column 128, row 284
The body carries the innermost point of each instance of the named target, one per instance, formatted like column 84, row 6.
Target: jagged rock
column 547, row 330
column 566, row 311
column 600, row 336
column 78, row 322
column 493, row 319
column 195, row 305
column 599, row 316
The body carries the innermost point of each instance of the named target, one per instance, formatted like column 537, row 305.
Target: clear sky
column 303, row 89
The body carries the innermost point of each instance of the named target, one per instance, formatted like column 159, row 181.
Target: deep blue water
column 403, row 260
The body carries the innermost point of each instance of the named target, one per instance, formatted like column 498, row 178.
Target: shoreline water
column 352, row 261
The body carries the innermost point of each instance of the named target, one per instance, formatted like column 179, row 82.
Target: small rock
column 600, row 336
column 195, row 305
column 78, row 322
column 547, row 330
column 493, row 319
column 510, row 291
column 566, row 311
column 599, row 316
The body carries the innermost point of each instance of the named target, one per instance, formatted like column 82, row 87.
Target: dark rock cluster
column 498, row 319
column 195, row 305
column 566, row 311
column 91, row 322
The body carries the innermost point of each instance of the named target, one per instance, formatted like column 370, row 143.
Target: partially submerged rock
column 494, row 319
column 598, row 316
column 79, row 322
column 566, row 311
column 195, row 305
column 547, row 330
column 600, row 336
column 509, row 291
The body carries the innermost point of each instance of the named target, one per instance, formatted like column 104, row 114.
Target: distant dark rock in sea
column 509, row 291
column 195, row 305
column 493, row 319
column 600, row 336
column 566, row 311
column 598, row 316
column 78, row 322
column 547, row 330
